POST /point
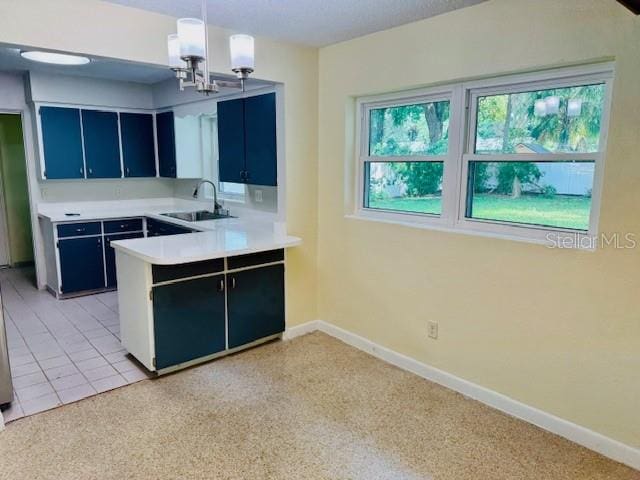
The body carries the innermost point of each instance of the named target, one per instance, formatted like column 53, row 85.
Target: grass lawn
column 558, row 211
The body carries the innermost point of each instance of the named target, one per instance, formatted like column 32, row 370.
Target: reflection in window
column 542, row 121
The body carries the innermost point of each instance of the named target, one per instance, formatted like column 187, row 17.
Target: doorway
column 16, row 244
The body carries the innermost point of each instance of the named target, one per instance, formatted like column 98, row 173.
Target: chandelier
column 189, row 53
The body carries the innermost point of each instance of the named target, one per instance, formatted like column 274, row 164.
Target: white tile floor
column 61, row 351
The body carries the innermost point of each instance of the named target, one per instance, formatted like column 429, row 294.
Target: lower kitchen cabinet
column 189, row 320
column 79, row 255
column 110, row 254
column 175, row 315
column 255, row 301
column 81, row 264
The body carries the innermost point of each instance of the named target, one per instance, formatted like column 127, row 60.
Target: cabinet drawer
column 259, row 258
column 163, row 273
column 79, row 229
column 126, row 225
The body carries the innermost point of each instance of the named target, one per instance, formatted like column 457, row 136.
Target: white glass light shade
column 173, row 46
column 552, row 104
column 540, row 108
column 574, row 107
column 241, row 49
column 55, row 58
column 191, row 33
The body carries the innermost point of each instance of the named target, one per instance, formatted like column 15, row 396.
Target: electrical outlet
column 432, row 329
column 258, row 196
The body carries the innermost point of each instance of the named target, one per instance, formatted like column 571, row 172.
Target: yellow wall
column 555, row 329
column 13, row 174
column 100, row 28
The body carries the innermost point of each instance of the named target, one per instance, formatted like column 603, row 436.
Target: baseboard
column 597, row 442
column 301, row 329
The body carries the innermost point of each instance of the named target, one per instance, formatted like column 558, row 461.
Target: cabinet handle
column 233, row 282
column 80, row 229
column 221, row 286
column 128, row 171
column 91, row 171
column 81, row 171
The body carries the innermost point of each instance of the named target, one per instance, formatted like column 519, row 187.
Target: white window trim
column 462, row 119
column 365, row 105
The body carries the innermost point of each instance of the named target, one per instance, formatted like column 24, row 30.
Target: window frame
column 450, row 93
column 463, row 98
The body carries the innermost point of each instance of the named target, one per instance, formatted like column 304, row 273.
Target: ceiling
column 309, row 22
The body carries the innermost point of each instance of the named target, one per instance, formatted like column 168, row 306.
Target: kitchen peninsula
column 191, row 297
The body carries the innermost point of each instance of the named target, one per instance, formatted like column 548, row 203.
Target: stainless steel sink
column 198, row 216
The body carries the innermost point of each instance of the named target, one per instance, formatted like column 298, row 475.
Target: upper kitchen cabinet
column 138, row 149
column 165, row 132
column 260, row 140
column 93, row 143
column 101, row 144
column 231, row 153
column 61, row 143
column 247, row 140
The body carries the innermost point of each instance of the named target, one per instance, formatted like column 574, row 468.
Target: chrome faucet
column 216, row 206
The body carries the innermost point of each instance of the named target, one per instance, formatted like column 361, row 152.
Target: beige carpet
column 310, row 408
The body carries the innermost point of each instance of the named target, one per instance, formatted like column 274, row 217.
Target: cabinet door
column 255, row 300
column 62, row 142
column 260, row 140
column 189, row 320
column 110, row 255
column 138, row 150
column 231, row 164
column 166, row 144
column 101, row 144
column 81, row 264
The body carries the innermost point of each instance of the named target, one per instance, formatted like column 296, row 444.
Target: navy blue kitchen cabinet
column 260, row 140
column 189, row 320
column 231, row 163
column 62, row 142
column 138, row 149
column 255, row 302
column 81, row 264
column 247, row 140
column 110, row 254
column 156, row 228
column 101, row 144
column 166, row 144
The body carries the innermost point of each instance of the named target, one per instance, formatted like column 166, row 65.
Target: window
column 527, row 162
column 404, row 154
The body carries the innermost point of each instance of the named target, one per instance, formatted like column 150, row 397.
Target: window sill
column 422, row 225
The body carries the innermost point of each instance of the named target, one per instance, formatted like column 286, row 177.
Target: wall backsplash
column 184, row 189
column 84, row 190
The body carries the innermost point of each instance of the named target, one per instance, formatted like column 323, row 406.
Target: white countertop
column 251, row 232
column 235, row 237
column 87, row 211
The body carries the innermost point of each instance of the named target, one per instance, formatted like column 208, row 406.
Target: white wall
column 45, row 87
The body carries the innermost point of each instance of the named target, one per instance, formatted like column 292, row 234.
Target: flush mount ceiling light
column 54, row 58
column 189, row 51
